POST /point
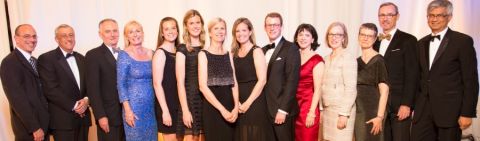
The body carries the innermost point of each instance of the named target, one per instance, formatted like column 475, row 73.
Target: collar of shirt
column 64, row 52
column 441, row 33
column 111, row 48
column 25, row 54
column 277, row 41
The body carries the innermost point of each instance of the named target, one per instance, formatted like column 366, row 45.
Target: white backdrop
column 84, row 15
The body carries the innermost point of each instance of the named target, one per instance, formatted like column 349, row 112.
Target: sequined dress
column 134, row 83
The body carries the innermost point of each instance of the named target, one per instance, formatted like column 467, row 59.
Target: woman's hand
column 310, row 120
column 377, row 125
column 167, row 119
column 342, row 122
column 130, row 118
column 187, row 118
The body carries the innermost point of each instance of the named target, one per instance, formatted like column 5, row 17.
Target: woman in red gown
column 309, row 85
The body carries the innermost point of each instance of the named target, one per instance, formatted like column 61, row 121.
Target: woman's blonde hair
column 127, row 29
column 186, row 35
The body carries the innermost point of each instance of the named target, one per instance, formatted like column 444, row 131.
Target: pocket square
column 279, row 58
column 396, row 50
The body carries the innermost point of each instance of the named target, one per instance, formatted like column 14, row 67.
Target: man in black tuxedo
column 22, row 86
column 399, row 51
column 449, row 79
column 62, row 74
column 283, row 60
column 101, row 80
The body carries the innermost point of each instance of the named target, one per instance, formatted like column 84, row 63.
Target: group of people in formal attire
column 399, row 89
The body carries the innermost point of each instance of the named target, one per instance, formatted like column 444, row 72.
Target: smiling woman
column 84, row 16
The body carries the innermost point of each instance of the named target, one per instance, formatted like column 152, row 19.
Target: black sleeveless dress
column 194, row 96
column 169, row 84
column 220, row 82
column 253, row 125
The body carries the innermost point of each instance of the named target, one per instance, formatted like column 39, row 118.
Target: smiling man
column 398, row 50
column 449, row 79
column 62, row 74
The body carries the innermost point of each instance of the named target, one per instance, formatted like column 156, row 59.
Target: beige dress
column 339, row 90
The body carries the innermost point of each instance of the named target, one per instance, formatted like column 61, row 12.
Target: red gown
column 304, row 98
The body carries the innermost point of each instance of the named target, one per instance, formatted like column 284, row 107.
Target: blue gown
column 134, row 82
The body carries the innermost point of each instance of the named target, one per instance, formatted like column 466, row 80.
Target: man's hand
column 464, row 122
column 280, row 118
column 403, row 112
column 82, row 106
column 103, row 122
column 38, row 135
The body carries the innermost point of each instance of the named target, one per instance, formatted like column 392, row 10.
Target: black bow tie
column 270, row 46
column 69, row 55
column 433, row 38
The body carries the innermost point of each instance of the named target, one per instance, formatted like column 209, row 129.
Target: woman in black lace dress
column 190, row 112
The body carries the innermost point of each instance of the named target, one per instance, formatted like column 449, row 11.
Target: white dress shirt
column 269, row 52
column 115, row 54
column 385, row 43
column 25, row 54
column 435, row 45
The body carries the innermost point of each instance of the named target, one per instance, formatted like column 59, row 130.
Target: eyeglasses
column 28, row 36
column 386, row 15
column 432, row 16
column 361, row 35
column 332, row 35
column 273, row 25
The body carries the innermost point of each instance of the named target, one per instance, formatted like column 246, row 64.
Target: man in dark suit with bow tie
column 102, row 83
column 449, row 79
column 22, row 86
column 398, row 48
column 62, row 74
column 283, row 59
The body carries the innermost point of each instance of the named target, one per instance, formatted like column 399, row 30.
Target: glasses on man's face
column 366, row 36
column 71, row 35
column 273, row 25
column 435, row 16
column 28, row 36
column 334, row 35
column 390, row 15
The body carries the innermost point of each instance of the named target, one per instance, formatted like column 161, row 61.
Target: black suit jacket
column 451, row 85
column 402, row 66
column 61, row 89
column 101, row 78
column 282, row 79
column 28, row 106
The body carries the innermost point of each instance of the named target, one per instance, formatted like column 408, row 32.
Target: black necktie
column 69, row 55
column 433, row 38
column 34, row 64
column 270, row 46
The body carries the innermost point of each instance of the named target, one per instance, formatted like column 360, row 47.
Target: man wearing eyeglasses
column 22, row 87
column 398, row 49
column 62, row 74
column 449, row 79
column 283, row 61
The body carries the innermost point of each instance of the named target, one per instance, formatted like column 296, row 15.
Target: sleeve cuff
column 282, row 111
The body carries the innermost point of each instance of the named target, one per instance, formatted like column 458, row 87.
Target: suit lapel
column 63, row 62
column 393, row 43
column 24, row 62
column 442, row 47
column 81, row 73
column 275, row 53
column 109, row 56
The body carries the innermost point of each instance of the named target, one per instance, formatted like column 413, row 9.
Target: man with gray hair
column 62, row 73
column 449, row 79
column 102, row 83
column 398, row 50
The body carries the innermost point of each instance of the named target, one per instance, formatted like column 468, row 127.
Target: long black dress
column 194, row 96
column 220, row 82
column 169, row 84
column 254, row 124
column 369, row 76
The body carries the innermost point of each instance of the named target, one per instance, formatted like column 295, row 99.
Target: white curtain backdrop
column 84, row 15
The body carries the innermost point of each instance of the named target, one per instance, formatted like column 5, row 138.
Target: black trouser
column 426, row 130
column 397, row 130
column 116, row 133
column 285, row 131
column 77, row 134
